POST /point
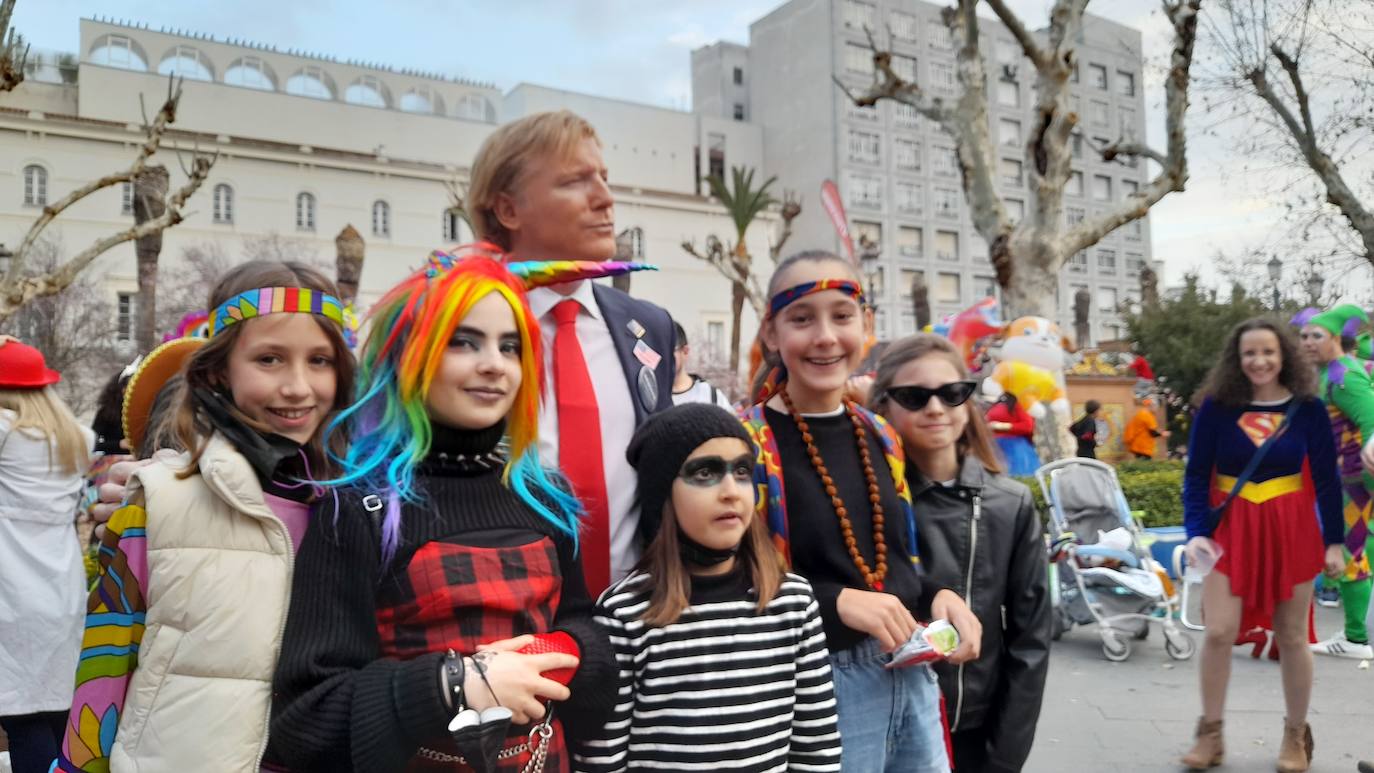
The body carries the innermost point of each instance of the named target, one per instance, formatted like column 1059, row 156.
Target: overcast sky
column 639, row 51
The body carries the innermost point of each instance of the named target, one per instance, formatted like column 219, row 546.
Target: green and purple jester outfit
column 1348, row 390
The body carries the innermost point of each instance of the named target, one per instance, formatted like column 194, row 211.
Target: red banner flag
column 830, row 199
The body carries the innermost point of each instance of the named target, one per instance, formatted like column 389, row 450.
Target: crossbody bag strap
column 1215, row 516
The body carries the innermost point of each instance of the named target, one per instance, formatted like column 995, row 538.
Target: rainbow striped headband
column 274, row 300
column 791, row 295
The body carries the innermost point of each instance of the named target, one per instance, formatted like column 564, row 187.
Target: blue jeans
column 889, row 720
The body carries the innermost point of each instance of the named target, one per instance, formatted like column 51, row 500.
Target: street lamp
column 1275, row 274
column 870, row 253
column 1314, row 287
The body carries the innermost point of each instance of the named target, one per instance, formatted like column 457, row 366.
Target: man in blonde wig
column 539, row 190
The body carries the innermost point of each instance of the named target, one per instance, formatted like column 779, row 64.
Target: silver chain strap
column 538, row 750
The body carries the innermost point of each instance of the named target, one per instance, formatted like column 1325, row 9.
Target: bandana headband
column 274, row 300
column 777, row 375
column 791, row 295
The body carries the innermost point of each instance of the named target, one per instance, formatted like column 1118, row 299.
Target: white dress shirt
column 615, row 408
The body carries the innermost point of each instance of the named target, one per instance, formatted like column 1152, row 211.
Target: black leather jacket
column 996, row 560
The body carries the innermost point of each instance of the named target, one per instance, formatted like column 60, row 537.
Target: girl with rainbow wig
column 447, row 584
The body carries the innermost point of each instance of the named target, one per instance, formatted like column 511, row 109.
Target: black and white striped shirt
column 725, row 688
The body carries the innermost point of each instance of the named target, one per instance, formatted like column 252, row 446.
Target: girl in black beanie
column 709, row 632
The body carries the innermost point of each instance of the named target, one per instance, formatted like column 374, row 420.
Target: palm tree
column 744, row 203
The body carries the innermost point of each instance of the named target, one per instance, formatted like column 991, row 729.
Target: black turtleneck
column 357, row 685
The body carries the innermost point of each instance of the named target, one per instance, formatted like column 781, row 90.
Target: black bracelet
column 451, row 675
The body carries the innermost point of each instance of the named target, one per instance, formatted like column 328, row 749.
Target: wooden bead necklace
column 874, row 579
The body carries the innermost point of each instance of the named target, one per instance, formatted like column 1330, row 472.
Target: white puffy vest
column 219, row 583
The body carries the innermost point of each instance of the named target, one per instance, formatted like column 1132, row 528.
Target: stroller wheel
column 1179, row 645
column 1143, row 633
column 1114, row 648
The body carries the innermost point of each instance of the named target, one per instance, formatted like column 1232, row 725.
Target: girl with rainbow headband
column 184, row 623
column 833, row 490
column 453, row 553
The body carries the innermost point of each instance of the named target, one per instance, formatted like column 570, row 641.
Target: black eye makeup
column 708, row 471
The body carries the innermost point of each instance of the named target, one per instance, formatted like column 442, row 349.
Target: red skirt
column 1269, row 546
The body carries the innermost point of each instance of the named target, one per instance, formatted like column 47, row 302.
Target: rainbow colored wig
column 410, row 329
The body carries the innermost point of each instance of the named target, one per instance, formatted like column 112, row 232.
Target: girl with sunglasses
column 980, row 536
column 833, row 491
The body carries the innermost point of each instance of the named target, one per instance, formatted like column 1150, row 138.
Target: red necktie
column 579, row 445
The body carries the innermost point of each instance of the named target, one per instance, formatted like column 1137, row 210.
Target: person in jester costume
column 1346, row 387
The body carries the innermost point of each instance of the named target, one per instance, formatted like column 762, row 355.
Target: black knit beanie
column 662, row 444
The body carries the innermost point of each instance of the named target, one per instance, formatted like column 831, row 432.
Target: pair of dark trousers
column 34, row 740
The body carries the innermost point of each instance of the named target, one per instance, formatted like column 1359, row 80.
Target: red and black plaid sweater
column 357, row 686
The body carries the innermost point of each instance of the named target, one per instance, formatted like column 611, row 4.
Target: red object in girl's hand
column 558, row 641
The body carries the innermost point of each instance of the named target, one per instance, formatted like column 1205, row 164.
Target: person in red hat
column 44, row 453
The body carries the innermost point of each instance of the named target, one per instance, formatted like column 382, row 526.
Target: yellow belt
column 1257, row 493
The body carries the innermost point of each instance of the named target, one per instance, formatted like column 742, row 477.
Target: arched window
column 224, row 204
column 366, row 91
column 118, row 51
column 35, row 186
column 311, row 82
column 475, row 107
column 422, row 100
column 381, row 218
column 251, row 72
column 305, row 212
column 186, row 62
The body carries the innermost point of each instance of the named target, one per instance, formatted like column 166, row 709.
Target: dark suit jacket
column 619, row 309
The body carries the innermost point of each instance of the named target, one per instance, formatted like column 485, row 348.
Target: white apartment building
column 308, row 144
column 898, row 173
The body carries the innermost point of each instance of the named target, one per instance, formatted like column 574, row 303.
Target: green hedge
column 1155, row 488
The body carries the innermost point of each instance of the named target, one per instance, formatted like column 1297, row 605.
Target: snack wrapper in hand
column 928, row 643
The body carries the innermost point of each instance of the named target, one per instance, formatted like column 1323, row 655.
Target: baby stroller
column 1119, row 586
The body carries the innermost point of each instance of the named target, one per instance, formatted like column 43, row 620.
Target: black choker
column 698, row 554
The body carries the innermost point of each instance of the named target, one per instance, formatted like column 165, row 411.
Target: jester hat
column 1343, row 321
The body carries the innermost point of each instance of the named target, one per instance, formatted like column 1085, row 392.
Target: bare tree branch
column 721, row 256
column 1027, row 255
column 1029, row 44
column 16, row 294
column 16, row 289
column 887, row 84
column 1173, row 174
column 1338, row 191
column 12, row 60
column 154, row 133
column 791, row 208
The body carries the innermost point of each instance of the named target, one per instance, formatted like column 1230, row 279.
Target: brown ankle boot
column 1295, row 755
column 1208, row 749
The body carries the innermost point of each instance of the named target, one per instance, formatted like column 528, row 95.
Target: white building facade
column 898, row 173
column 308, row 145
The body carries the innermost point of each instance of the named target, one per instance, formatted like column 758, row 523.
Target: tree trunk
column 736, row 311
column 150, row 202
column 621, row 282
column 920, row 302
column 349, row 252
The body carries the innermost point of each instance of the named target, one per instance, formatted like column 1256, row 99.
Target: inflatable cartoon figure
column 1032, row 342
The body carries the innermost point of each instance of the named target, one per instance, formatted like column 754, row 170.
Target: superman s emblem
column 1259, row 425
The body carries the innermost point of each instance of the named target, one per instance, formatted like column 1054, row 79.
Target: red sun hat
column 23, row 367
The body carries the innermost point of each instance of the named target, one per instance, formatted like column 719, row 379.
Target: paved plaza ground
column 1139, row 715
